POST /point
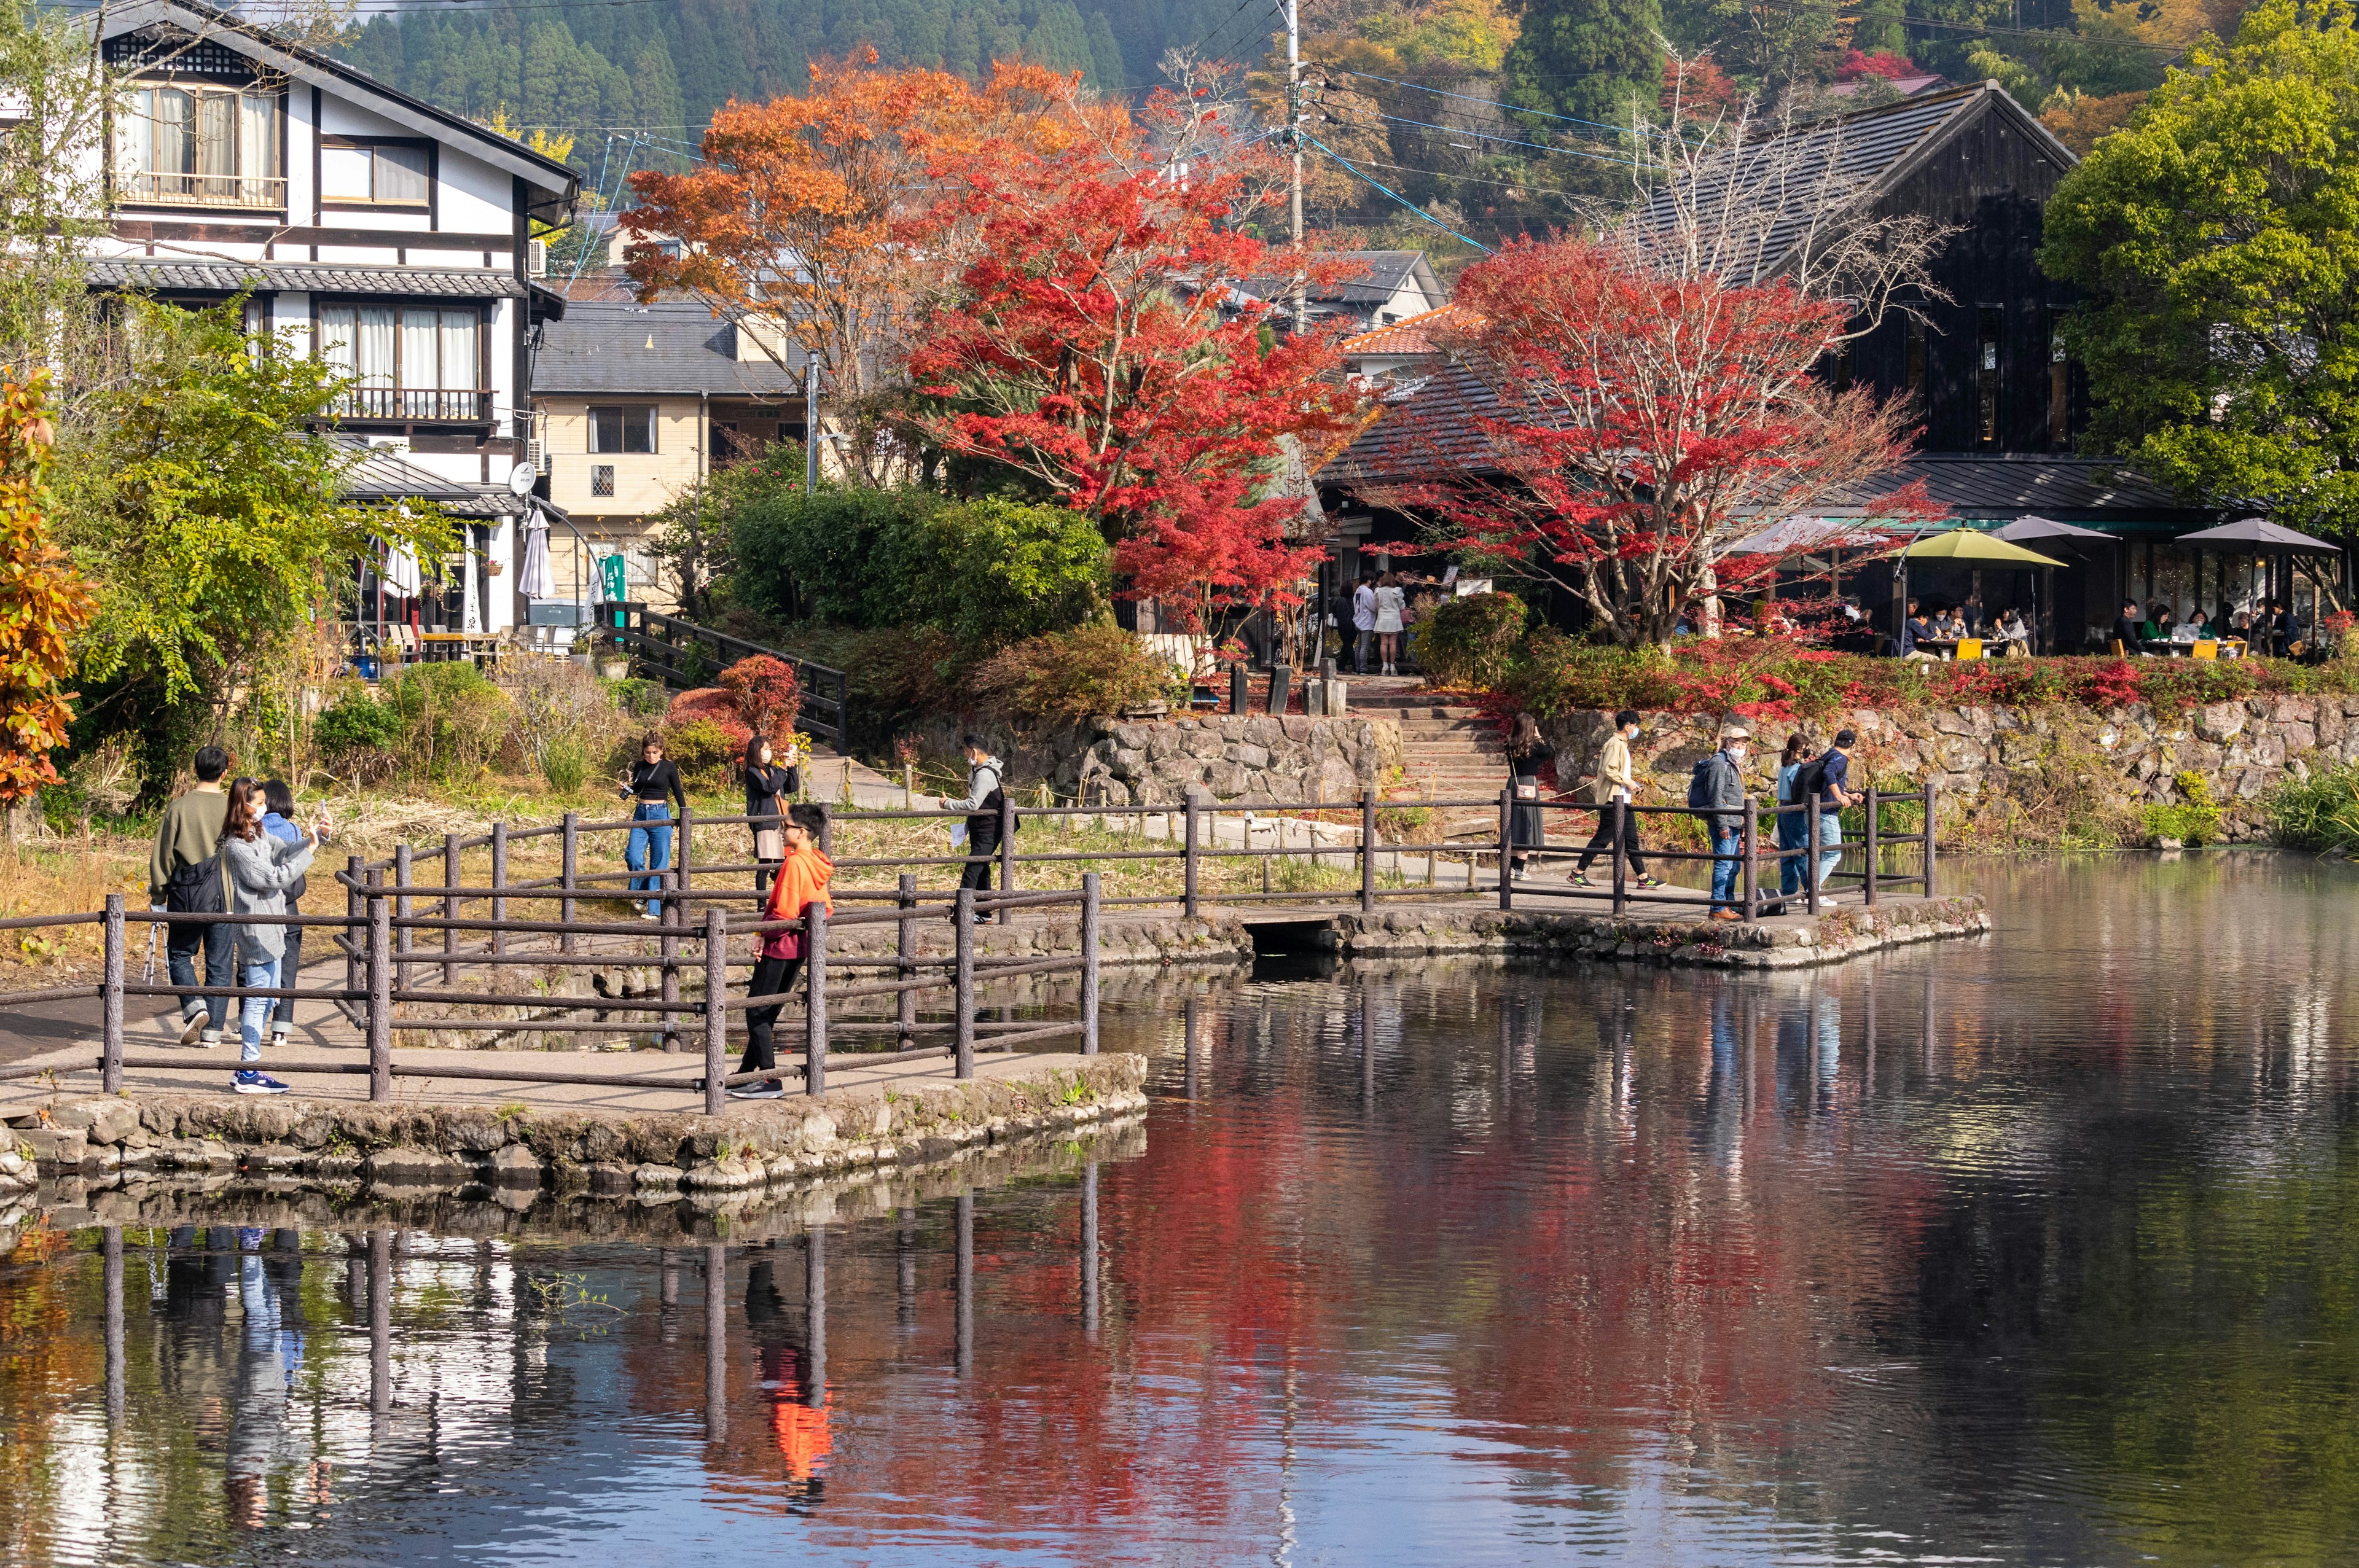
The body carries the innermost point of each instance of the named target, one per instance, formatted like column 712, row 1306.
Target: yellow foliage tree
column 44, row 602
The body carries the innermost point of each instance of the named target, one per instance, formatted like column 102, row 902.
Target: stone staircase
column 1450, row 750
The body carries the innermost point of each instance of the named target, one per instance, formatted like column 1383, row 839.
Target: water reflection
column 2038, row 1248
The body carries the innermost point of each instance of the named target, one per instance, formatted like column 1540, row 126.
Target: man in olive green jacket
column 188, row 835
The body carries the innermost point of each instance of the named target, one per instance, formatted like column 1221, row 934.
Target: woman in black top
column 1526, row 751
column 767, row 787
column 649, row 852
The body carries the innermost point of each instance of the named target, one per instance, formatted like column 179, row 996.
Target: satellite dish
column 521, row 479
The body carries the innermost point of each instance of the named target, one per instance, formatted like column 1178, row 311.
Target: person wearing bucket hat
column 1718, row 790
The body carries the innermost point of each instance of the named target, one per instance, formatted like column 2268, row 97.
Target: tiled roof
column 610, row 346
column 1426, row 432
column 228, row 277
column 2004, row 485
column 1409, row 335
column 1370, row 277
column 384, row 476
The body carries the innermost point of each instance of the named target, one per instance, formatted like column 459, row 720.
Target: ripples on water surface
column 2041, row 1248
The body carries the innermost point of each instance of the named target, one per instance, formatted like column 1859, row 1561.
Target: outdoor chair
column 2205, row 648
column 1970, row 649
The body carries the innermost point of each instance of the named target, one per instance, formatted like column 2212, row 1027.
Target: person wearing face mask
column 1717, row 790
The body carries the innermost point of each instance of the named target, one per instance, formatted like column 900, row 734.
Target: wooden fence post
column 380, row 1001
column 499, row 943
column 668, row 954
column 1006, row 853
column 1188, row 863
column 963, row 991
column 572, row 842
column 109, row 1058
column 716, row 1009
column 403, row 941
column 826, row 827
column 449, row 909
column 1932, row 814
column 1872, row 846
column 815, row 998
column 1089, row 963
column 356, row 916
column 1368, row 853
column 1748, row 852
column 904, row 1009
column 1507, row 846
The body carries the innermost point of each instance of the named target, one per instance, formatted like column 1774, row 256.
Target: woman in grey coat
column 261, row 869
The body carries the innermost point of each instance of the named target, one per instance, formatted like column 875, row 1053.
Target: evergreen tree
column 1589, row 59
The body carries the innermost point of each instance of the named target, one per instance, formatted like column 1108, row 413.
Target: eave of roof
column 231, row 276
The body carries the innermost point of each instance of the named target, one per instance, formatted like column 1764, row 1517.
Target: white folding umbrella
column 536, row 580
column 400, row 573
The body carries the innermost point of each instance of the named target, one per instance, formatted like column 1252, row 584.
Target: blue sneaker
column 253, row 1083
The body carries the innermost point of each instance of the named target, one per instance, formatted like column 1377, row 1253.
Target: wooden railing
column 682, row 654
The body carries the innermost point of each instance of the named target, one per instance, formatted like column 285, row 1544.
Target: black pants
column 1602, row 841
column 180, row 944
column 290, row 965
column 772, row 977
column 979, row 849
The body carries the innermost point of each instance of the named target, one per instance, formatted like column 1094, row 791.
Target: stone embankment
column 1791, row 942
column 1247, row 760
column 2131, row 756
column 606, row 1153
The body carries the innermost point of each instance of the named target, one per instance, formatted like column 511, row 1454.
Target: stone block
column 2220, row 721
column 55, row 1145
column 1245, row 754
column 732, row 1174
column 516, row 1166
column 105, row 1120
column 661, row 1178
column 414, row 1167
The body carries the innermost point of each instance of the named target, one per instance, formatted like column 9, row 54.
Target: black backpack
column 1809, row 781
column 1699, row 789
column 197, row 889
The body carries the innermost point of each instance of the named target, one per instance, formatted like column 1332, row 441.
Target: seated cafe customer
column 2158, row 623
column 2126, row 627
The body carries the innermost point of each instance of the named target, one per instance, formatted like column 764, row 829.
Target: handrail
column 827, row 688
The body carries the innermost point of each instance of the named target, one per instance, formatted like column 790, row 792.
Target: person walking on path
column 767, row 787
column 1364, row 623
column 1526, row 751
column 184, row 878
column 278, row 821
column 985, row 793
column 1834, row 793
column 804, row 871
column 648, row 851
column 261, row 869
column 1617, row 779
column 1390, row 602
column 1717, row 789
column 1793, row 821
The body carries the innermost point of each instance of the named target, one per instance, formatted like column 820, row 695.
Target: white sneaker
column 209, row 1038
column 278, row 1037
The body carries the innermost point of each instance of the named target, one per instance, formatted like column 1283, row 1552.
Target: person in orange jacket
column 801, row 881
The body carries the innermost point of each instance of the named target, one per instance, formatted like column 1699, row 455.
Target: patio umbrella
column 1974, row 548
column 535, row 579
column 400, row 573
column 2024, row 530
column 2255, row 537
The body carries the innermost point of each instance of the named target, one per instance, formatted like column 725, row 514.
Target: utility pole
column 810, row 423
column 1294, row 142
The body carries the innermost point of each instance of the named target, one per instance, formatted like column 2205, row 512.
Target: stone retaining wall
column 2132, row 756
column 1254, row 758
column 608, row 1153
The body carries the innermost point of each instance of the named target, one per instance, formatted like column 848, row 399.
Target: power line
column 1512, row 108
column 1225, row 23
column 1396, row 196
column 1510, row 141
column 1471, row 178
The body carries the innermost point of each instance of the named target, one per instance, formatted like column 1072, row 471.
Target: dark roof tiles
column 608, row 346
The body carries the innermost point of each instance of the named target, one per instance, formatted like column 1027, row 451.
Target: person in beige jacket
column 1617, row 779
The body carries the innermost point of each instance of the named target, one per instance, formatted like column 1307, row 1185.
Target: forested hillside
column 1492, row 115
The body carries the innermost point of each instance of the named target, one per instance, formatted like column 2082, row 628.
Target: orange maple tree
column 43, row 600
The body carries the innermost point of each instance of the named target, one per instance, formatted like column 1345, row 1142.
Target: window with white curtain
column 380, row 172
column 198, row 146
column 409, row 361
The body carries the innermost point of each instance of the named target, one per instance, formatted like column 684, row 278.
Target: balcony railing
column 414, row 403
column 255, row 192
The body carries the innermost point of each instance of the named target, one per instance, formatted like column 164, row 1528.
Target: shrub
column 766, row 696
column 554, row 702
column 1471, row 642
column 453, row 721
column 2194, row 820
column 2321, row 812
column 706, row 750
column 638, row 698
column 565, row 763
column 357, row 736
column 1065, row 677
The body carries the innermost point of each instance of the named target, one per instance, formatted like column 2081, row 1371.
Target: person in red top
column 802, row 879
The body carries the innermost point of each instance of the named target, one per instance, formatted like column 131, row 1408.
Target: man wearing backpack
column 1717, row 790
column 184, row 877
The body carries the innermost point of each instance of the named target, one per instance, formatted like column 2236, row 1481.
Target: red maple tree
column 1100, row 343
column 1631, row 425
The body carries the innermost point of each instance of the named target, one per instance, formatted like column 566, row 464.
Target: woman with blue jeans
column 261, row 869
column 651, row 780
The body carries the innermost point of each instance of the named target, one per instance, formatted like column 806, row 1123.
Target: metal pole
column 1810, row 848
column 1089, row 963
column 110, row 1059
column 810, row 431
column 963, row 992
column 965, row 1284
column 1007, row 854
column 668, row 954
column 1089, row 1247
column 1294, row 140
column 1188, row 862
column 1506, row 846
column 906, row 950
column 1931, row 790
column 1368, row 852
column 716, row 1012
column 380, row 999
column 716, row 1341
column 815, row 998
column 572, row 842
column 449, row 909
column 1872, row 855
column 1751, row 865
column 499, row 881
column 1621, row 860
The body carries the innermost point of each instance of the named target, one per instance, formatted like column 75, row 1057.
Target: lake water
column 2038, row 1249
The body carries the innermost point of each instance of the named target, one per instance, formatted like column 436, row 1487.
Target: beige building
column 632, row 406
